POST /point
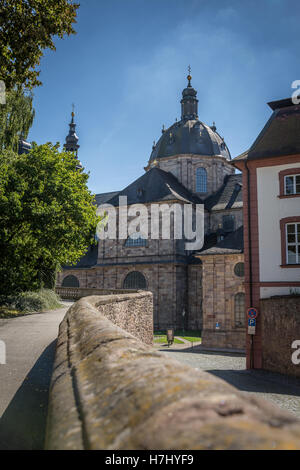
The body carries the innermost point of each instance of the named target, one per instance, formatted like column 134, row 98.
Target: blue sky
column 126, row 68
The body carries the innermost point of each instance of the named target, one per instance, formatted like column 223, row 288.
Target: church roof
column 154, row 186
column 232, row 244
column 88, row 260
column 281, row 134
column 105, row 197
column 229, row 196
column 190, row 137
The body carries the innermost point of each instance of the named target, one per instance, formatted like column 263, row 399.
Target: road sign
column 251, row 326
column 252, row 313
column 217, row 326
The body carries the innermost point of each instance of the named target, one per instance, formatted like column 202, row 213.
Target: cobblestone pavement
column 282, row 390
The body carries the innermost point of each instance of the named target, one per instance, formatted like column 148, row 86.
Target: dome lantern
column 189, row 102
column 189, row 136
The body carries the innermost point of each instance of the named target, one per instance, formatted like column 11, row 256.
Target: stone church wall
column 167, row 282
column 220, row 285
column 216, row 218
column 195, row 318
column 184, row 168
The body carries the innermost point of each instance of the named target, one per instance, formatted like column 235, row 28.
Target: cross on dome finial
column 189, row 77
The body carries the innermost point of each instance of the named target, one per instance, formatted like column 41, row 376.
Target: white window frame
column 294, row 184
column 296, row 244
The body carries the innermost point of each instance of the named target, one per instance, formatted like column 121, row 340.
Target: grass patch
column 163, row 340
column 194, row 336
column 6, row 312
column 28, row 302
column 192, row 339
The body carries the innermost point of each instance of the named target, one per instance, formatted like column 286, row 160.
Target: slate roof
column 232, row 244
column 105, row 197
column 190, row 137
column 229, row 196
column 281, row 134
column 88, row 260
column 154, row 186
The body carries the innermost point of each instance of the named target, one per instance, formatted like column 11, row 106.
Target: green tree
column 47, row 216
column 27, row 28
column 16, row 118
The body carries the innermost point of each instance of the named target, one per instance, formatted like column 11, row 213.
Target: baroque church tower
column 71, row 144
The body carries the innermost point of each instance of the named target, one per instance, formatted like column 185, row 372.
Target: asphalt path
column 24, row 379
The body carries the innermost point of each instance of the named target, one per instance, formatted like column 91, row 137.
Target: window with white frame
column 136, row 239
column 293, row 243
column 291, row 184
column 201, row 180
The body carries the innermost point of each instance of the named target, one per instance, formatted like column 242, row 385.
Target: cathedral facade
column 199, row 290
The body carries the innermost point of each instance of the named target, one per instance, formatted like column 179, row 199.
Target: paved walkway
column 279, row 389
column 25, row 378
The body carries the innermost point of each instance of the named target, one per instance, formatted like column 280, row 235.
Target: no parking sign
column 252, row 315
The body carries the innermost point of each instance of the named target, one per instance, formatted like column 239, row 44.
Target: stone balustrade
column 112, row 391
column 76, row 293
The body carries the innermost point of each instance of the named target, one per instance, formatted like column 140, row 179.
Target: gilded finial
column 73, row 113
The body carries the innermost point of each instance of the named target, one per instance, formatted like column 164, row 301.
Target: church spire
column 71, row 144
column 189, row 102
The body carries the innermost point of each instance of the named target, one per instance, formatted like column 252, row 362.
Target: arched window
column 201, row 180
column 135, row 280
column 70, row 281
column 136, row 239
column 239, row 309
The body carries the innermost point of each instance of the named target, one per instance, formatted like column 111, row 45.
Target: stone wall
column 220, row 286
column 167, row 282
column 110, row 391
column 194, row 309
column 184, row 167
column 280, row 321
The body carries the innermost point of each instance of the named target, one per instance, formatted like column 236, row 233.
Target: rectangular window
column 291, row 184
column 293, row 243
column 228, row 223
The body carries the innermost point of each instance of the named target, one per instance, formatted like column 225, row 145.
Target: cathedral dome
column 189, row 135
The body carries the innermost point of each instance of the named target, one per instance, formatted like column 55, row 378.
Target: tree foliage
column 27, row 28
column 47, row 216
column 16, row 118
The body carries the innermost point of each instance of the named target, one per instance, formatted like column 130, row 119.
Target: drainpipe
column 250, row 262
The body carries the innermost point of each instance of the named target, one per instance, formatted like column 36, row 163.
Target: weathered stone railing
column 110, row 391
column 76, row 293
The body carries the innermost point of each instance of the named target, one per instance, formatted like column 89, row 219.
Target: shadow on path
column 23, row 424
column 260, row 381
column 204, row 352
